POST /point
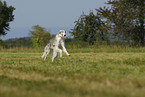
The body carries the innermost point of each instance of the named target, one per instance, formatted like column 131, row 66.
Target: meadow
column 101, row 71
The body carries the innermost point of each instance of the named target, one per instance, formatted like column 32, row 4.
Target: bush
column 2, row 45
column 77, row 44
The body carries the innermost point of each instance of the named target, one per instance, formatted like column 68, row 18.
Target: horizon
column 24, row 31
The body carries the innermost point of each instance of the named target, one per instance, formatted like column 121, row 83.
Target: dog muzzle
column 63, row 37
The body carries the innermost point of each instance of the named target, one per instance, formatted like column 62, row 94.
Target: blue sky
column 51, row 13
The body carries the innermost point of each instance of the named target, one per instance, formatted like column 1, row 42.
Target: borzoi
column 54, row 45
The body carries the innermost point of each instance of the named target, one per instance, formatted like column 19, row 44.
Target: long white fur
column 54, row 44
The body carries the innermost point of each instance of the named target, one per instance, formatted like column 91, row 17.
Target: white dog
column 54, row 44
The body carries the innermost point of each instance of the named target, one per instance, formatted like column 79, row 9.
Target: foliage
column 18, row 42
column 70, row 43
column 39, row 36
column 88, row 28
column 1, row 44
column 6, row 16
column 126, row 19
column 76, row 44
column 89, row 72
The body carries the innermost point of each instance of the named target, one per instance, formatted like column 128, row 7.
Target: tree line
column 38, row 37
column 121, row 23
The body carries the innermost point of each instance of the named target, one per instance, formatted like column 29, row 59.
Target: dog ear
column 58, row 32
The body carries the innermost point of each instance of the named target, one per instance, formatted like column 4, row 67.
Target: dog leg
column 60, row 51
column 47, row 52
column 43, row 54
column 54, row 54
column 65, row 51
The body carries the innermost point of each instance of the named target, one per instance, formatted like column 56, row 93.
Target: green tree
column 1, row 44
column 39, row 36
column 23, row 42
column 88, row 28
column 6, row 16
column 126, row 19
column 18, row 42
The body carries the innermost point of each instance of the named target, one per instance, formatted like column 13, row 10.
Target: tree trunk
column 141, row 20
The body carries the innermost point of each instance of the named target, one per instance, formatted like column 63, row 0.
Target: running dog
column 54, row 45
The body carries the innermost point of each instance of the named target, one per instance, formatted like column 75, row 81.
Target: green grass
column 102, row 71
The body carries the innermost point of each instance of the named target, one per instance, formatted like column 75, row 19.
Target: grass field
column 89, row 72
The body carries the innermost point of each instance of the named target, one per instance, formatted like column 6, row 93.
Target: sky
column 50, row 13
column 54, row 13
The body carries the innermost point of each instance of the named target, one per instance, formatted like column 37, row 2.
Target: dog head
column 62, row 33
